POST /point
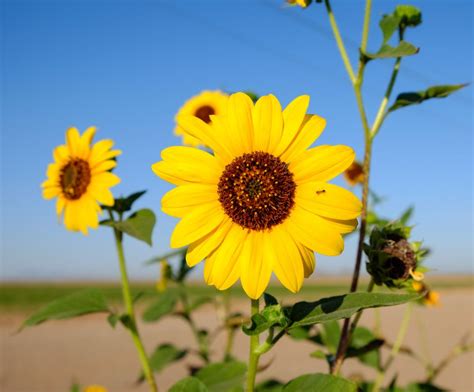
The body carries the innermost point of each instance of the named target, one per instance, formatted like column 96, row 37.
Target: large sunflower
column 203, row 106
column 80, row 179
column 260, row 203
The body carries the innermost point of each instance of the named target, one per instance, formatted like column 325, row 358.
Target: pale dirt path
column 48, row 357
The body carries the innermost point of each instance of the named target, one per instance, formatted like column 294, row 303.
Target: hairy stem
column 253, row 354
column 395, row 349
column 132, row 325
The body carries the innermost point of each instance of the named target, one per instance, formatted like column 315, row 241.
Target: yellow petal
column 99, row 151
column 309, row 261
column 188, row 164
column 341, row 226
column 60, row 203
column 321, row 238
column 268, row 123
column 61, row 154
column 321, row 163
column 197, row 224
column 255, row 268
column 226, row 269
column 51, row 192
column 293, row 117
column 199, row 250
column 328, row 200
column 183, row 199
column 105, row 179
column 286, row 260
column 102, row 194
column 73, row 142
column 239, row 117
column 202, row 131
column 310, row 130
column 88, row 136
column 104, row 166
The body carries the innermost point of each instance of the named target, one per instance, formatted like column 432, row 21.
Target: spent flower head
column 80, row 179
column 259, row 203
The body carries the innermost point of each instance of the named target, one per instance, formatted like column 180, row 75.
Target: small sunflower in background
column 80, row 179
column 95, row 388
column 301, row 3
column 430, row 297
column 354, row 174
column 202, row 106
column 261, row 202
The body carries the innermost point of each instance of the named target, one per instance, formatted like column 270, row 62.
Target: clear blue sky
column 127, row 66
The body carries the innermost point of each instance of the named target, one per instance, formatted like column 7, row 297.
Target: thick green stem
column 365, row 29
column 128, row 302
column 340, row 43
column 395, row 348
column 253, row 354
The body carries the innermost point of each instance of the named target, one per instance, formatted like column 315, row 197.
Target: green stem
column 253, row 354
column 340, row 43
column 395, row 349
column 365, row 29
column 132, row 325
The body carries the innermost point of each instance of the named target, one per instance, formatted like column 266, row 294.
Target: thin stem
column 253, row 355
column 340, row 43
column 132, row 325
column 365, row 29
column 229, row 328
column 395, row 349
column 381, row 114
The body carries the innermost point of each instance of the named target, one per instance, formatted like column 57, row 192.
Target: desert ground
column 49, row 357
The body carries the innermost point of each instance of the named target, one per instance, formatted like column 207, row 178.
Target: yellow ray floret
column 260, row 202
column 80, row 179
column 203, row 106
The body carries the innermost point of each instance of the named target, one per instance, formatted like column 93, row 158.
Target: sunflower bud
column 392, row 259
column 354, row 174
column 165, row 275
column 301, row 3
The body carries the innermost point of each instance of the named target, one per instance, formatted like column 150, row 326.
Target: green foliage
column 343, row 306
column 365, row 347
column 75, row 388
column 189, row 384
column 387, row 51
column 164, row 305
column 76, row 304
column 222, row 376
column 272, row 315
column 269, row 386
column 164, row 355
column 138, row 225
column 124, row 204
column 423, row 387
column 330, row 335
column 414, row 98
column 404, row 16
column 320, row 382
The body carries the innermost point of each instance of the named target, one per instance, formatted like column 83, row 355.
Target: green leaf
column 389, row 24
column 158, row 259
column 199, row 302
column 124, row 204
column 388, row 52
column 269, row 386
column 223, row 376
column 163, row 306
column 75, row 388
column 406, row 215
column 330, row 335
column 413, row 98
column 77, row 304
column 318, row 354
column 138, row 225
column 189, row 384
column 164, row 355
column 320, row 382
column 423, row 387
column 365, row 347
column 343, row 306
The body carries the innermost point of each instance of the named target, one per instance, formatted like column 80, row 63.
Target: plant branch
column 340, row 42
column 127, row 298
column 253, row 354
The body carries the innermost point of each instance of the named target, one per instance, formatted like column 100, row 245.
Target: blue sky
column 127, row 66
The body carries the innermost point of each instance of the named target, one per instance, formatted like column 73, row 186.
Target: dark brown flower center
column 75, row 178
column 257, row 190
column 205, row 113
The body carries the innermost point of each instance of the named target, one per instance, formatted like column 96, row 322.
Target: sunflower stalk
column 131, row 324
column 254, row 356
column 369, row 133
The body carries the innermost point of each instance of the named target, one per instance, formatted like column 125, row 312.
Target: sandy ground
column 49, row 357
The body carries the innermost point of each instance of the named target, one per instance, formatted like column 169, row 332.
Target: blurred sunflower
column 301, row 3
column 261, row 203
column 203, row 106
column 430, row 297
column 95, row 388
column 354, row 174
column 80, row 179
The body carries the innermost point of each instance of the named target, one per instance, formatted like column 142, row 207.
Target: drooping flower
column 430, row 297
column 261, row 203
column 80, row 179
column 203, row 106
column 301, row 3
column 354, row 174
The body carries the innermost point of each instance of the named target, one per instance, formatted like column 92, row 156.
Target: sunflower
column 261, row 202
column 203, row 106
column 95, row 388
column 80, row 179
column 354, row 174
